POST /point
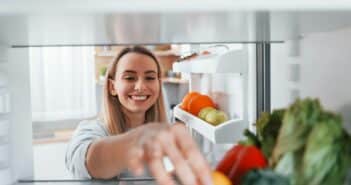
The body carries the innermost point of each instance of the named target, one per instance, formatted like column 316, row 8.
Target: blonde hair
column 113, row 116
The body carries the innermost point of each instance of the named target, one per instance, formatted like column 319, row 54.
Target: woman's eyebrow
column 129, row 71
column 150, row 71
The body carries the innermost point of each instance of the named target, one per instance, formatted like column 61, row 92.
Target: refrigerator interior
column 309, row 57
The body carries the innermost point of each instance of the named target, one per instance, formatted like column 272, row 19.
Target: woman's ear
column 111, row 87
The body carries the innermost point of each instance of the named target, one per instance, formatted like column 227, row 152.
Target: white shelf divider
column 228, row 132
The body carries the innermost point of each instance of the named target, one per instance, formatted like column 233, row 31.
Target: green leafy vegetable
column 264, row 177
column 327, row 150
column 297, row 123
column 251, row 139
column 312, row 146
column 268, row 126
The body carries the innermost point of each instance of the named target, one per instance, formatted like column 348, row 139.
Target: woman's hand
column 155, row 141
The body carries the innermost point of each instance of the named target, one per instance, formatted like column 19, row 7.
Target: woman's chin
column 139, row 109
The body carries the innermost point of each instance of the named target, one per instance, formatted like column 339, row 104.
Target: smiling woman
column 134, row 74
column 132, row 131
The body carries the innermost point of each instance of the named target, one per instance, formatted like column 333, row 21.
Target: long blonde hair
column 113, row 116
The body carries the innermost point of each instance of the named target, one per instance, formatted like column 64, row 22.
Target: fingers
column 159, row 172
column 190, row 166
column 182, row 169
column 136, row 161
column 190, row 151
column 155, row 162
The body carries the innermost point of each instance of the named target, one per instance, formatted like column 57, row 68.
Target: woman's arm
column 108, row 156
column 148, row 144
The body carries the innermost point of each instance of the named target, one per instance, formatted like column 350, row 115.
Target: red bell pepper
column 229, row 159
column 239, row 160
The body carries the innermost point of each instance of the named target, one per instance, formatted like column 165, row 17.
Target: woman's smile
column 139, row 97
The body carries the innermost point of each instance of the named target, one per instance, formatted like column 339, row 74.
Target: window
column 62, row 83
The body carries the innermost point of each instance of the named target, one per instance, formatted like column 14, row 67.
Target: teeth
column 139, row 97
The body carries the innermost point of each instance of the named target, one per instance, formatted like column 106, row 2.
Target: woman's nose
column 140, row 86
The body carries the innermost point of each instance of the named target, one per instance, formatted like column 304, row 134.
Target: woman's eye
column 129, row 78
column 150, row 78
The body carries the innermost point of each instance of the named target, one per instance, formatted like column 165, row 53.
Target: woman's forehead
column 136, row 62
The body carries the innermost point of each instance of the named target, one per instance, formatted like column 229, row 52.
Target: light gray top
column 75, row 159
column 86, row 132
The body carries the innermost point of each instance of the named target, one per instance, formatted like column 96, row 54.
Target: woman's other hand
column 155, row 141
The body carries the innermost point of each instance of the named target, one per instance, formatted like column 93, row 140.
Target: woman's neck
column 134, row 119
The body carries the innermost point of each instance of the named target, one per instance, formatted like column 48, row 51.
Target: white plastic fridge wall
column 5, row 170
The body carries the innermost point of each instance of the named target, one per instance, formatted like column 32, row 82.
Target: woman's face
column 136, row 82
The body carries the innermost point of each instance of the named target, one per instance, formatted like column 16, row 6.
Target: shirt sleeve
column 83, row 136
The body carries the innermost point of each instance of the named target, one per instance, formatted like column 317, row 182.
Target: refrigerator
column 288, row 50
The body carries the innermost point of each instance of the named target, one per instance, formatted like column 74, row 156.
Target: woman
column 133, row 132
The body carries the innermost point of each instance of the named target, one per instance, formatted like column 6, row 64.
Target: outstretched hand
column 157, row 141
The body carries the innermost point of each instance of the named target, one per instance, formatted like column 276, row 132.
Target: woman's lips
column 139, row 97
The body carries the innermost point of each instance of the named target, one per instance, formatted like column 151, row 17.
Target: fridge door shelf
column 233, row 61
column 228, row 132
